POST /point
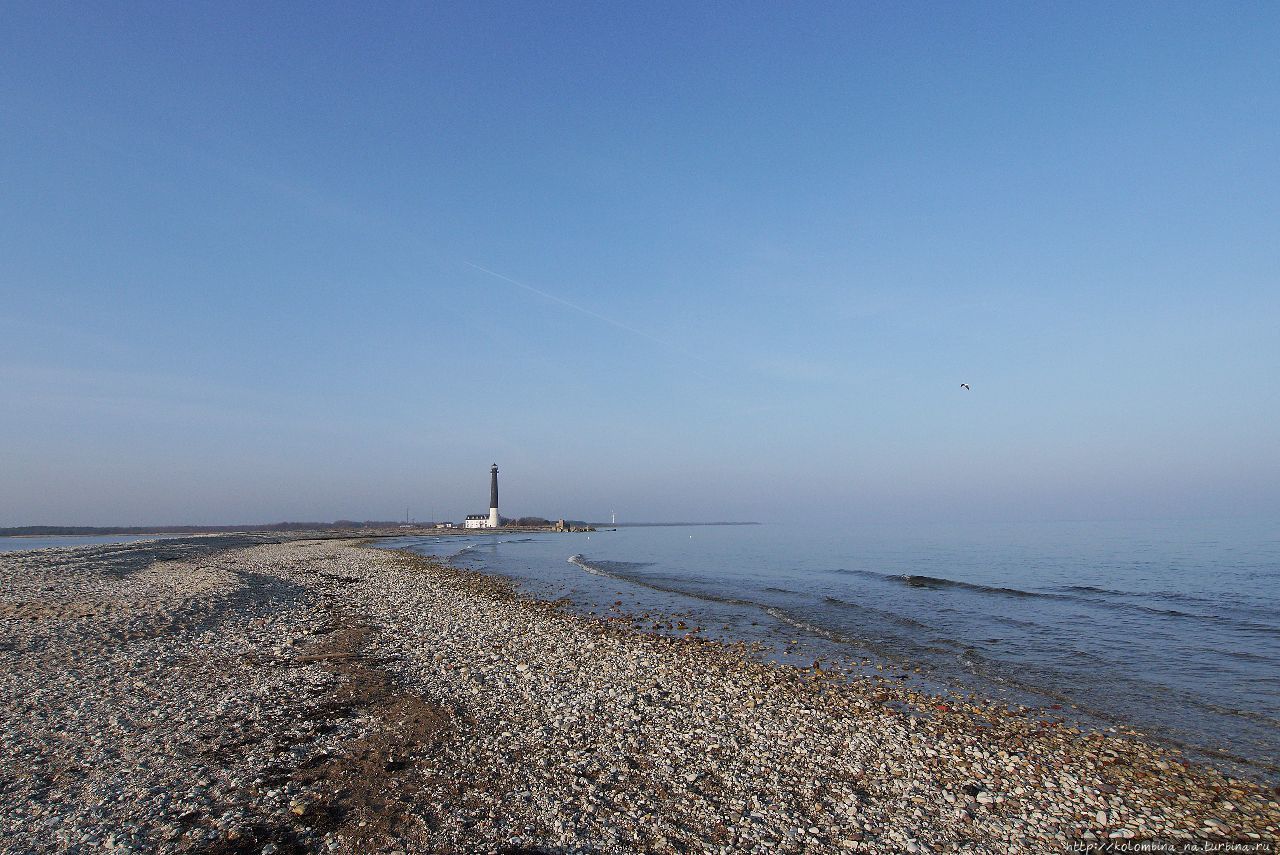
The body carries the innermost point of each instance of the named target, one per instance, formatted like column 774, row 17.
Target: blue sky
column 692, row 261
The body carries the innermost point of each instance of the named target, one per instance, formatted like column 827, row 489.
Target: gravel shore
column 228, row 695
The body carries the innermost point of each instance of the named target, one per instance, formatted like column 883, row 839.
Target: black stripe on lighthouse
column 493, row 487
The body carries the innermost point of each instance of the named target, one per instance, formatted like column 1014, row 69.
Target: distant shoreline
column 371, row 527
column 71, row 530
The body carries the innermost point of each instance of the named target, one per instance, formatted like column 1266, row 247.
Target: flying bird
column 964, row 386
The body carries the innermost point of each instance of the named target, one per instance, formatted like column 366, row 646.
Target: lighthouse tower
column 493, row 496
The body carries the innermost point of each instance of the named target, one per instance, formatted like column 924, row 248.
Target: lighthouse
column 492, row 520
column 493, row 496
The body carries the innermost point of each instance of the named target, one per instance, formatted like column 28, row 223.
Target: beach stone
column 566, row 732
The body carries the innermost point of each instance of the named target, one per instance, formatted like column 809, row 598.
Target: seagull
column 964, row 386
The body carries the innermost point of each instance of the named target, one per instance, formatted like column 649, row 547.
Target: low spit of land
column 227, row 694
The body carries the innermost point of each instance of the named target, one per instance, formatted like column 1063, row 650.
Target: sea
column 23, row 543
column 1167, row 628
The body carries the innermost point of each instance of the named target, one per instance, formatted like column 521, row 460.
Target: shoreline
column 324, row 695
column 1210, row 730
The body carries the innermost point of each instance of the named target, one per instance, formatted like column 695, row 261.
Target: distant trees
column 533, row 522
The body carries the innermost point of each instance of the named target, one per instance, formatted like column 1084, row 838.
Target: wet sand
column 214, row 695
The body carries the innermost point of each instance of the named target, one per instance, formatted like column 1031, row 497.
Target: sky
column 687, row 261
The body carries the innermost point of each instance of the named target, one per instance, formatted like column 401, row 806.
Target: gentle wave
column 937, row 582
column 461, row 552
column 1093, row 589
column 1102, row 598
column 1175, row 596
column 613, row 569
column 913, row 581
column 799, row 623
column 618, row 570
column 892, row 617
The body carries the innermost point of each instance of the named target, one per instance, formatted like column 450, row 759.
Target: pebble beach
column 234, row 694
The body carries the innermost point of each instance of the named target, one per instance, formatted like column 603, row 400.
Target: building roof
column 477, row 516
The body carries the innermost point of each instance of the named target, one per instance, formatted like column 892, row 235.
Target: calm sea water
column 20, row 544
column 1170, row 628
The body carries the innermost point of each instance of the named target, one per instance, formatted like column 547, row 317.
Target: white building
column 478, row 521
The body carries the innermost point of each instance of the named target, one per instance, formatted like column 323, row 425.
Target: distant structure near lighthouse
column 481, row 520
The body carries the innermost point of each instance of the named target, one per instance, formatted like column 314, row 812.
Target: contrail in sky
column 599, row 317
